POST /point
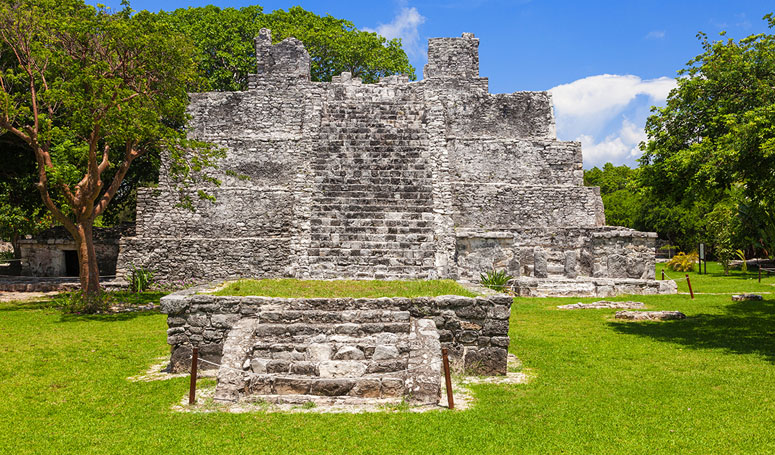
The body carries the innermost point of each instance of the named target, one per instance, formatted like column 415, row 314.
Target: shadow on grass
column 112, row 317
column 43, row 303
column 744, row 328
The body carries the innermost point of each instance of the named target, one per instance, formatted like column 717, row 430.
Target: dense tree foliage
column 618, row 188
column 712, row 147
column 224, row 38
column 89, row 92
column 21, row 211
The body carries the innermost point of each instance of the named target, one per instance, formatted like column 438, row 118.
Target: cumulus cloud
column 606, row 93
column 606, row 113
column 622, row 147
column 405, row 26
column 655, row 34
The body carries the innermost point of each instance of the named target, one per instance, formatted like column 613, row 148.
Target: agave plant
column 495, row 279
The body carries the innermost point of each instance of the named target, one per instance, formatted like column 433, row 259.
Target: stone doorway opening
column 71, row 262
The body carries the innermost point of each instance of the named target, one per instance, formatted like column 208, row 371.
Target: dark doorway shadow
column 744, row 328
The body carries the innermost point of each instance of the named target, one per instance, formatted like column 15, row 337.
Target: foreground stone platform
column 377, row 348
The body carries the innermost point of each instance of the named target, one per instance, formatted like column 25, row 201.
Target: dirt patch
column 10, row 296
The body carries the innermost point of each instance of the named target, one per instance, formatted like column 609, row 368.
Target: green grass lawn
column 701, row 385
column 287, row 287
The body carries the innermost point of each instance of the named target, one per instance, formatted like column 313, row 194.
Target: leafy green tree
column 716, row 131
column 21, row 211
column 619, row 191
column 224, row 38
column 722, row 227
column 89, row 92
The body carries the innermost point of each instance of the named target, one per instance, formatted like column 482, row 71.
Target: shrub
column 141, row 279
column 683, row 262
column 495, row 279
column 744, row 265
column 78, row 302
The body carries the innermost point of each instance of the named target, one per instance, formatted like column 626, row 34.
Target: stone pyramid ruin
column 430, row 179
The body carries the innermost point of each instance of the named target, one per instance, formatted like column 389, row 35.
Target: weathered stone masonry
column 386, row 347
column 399, row 179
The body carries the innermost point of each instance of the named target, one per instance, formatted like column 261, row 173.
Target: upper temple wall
column 453, row 58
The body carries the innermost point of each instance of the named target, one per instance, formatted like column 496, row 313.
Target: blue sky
column 606, row 62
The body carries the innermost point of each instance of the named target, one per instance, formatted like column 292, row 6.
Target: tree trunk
column 87, row 258
column 15, row 268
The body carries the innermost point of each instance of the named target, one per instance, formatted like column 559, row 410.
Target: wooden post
column 192, row 387
column 448, row 379
column 688, row 281
column 759, row 266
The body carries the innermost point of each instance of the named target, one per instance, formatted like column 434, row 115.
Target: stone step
column 309, row 356
column 416, row 250
column 384, row 262
column 266, row 348
column 350, row 188
column 333, row 270
column 345, row 170
column 284, row 316
column 356, row 178
column 289, row 330
column 378, row 218
column 392, row 234
column 329, row 368
column 409, row 223
column 390, row 156
column 373, row 212
column 342, row 386
column 340, row 238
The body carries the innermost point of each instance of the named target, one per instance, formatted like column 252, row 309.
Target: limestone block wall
column 515, row 161
column 504, row 206
column 600, row 252
column 474, row 329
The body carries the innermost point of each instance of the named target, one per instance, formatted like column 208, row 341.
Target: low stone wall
column 589, row 287
column 475, row 330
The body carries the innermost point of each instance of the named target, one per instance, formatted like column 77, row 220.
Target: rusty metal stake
column 663, row 274
column 447, row 377
column 192, row 388
column 690, row 286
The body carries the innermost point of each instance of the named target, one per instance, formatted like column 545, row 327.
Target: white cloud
column 606, row 113
column 655, row 34
column 606, row 93
column 620, row 147
column 405, row 26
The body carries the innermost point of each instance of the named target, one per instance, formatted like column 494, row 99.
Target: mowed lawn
column 702, row 385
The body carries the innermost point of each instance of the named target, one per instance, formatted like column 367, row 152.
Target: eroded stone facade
column 399, row 179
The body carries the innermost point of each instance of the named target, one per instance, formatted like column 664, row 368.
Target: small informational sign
column 702, row 251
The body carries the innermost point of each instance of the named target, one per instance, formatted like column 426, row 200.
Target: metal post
column 690, row 286
column 192, row 388
column 447, row 377
column 759, row 266
column 663, row 274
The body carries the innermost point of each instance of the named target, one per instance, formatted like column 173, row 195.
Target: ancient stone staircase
column 327, row 351
column 372, row 211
